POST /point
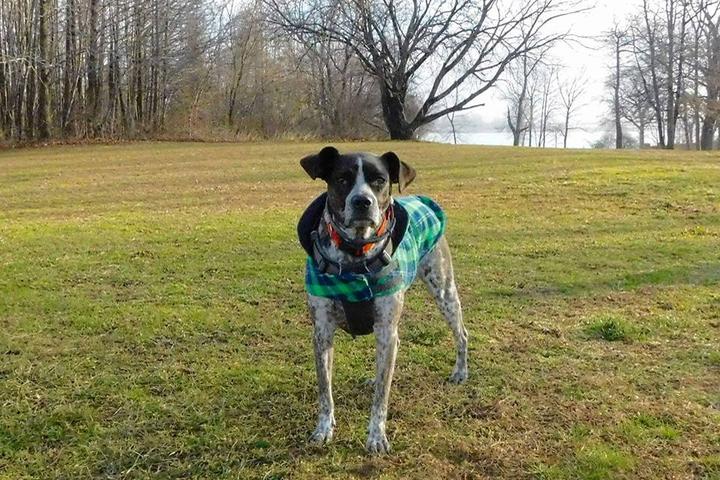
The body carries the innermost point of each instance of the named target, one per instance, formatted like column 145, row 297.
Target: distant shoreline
column 578, row 139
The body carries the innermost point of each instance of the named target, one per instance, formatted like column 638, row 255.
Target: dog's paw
column 323, row 432
column 458, row 376
column 377, row 443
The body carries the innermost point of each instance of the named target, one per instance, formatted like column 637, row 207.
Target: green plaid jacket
column 426, row 224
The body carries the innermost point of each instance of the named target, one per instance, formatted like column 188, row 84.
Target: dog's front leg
column 321, row 310
column 386, row 340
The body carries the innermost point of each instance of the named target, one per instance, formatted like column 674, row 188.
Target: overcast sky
column 591, row 61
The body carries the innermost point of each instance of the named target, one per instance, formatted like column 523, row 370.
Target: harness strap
column 364, row 266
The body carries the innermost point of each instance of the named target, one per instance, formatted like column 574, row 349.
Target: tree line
column 186, row 68
column 351, row 69
column 342, row 69
column 663, row 83
column 665, row 79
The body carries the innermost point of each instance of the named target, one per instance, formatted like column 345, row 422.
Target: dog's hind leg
column 388, row 311
column 436, row 271
column 323, row 312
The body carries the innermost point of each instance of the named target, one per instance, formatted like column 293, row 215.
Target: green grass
column 592, row 462
column 610, row 328
column 153, row 322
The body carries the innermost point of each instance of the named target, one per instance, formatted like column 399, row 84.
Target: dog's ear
column 320, row 165
column 400, row 172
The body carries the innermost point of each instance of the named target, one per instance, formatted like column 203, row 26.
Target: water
column 576, row 139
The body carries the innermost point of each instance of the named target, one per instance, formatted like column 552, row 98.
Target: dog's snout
column 361, row 201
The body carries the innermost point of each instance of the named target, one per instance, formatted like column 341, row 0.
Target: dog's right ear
column 320, row 165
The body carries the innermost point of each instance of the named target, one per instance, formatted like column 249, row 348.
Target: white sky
column 591, row 61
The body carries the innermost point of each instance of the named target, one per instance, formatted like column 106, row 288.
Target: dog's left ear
column 320, row 165
column 400, row 172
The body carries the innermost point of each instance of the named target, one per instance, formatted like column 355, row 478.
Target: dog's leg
column 323, row 313
column 437, row 272
column 388, row 311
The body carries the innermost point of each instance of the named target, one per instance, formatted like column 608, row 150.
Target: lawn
column 153, row 321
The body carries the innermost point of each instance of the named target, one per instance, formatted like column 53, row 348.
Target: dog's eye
column 379, row 181
column 343, row 181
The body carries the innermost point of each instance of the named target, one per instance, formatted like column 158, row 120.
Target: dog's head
column 359, row 185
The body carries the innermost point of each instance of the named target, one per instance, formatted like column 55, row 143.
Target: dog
column 365, row 248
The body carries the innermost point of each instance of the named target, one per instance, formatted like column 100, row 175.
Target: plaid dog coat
column 425, row 225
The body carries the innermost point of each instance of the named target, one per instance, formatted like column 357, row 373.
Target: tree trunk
column 616, row 88
column 696, row 88
column 514, row 128
column 394, row 116
column 138, row 73
column 641, row 128
column 92, row 75
column 655, row 94
column 5, row 84
column 30, row 103
column 69, row 82
column 164, row 65
column 19, row 102
column 711, row 74
column 708, row 132
column 531, row 120
column 670, row 74
column 4, row 107
column 43, row 129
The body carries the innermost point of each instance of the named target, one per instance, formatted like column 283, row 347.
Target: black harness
column 363, row 266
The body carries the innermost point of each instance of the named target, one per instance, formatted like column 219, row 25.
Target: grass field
column 153, row 321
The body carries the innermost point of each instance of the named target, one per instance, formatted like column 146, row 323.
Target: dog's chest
column 359, row 299
column 424, row 226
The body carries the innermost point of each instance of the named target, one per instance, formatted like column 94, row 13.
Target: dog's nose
column 361, row 201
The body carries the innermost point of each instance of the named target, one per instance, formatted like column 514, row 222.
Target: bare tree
column 516, row 88
column 570, row 93
column 691, row 100
column 531, row 92
column 661, row 55
column 462, row 45
column 70, row 77
column 620, row 39
column 244, row 39
column 343, row 94
column 43, row 122
column 546, row 94
column 634, row 104
column 709, row 19
column 93, row 83
column 672, row 77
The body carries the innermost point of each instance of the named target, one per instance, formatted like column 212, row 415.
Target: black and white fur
column 359, row 192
